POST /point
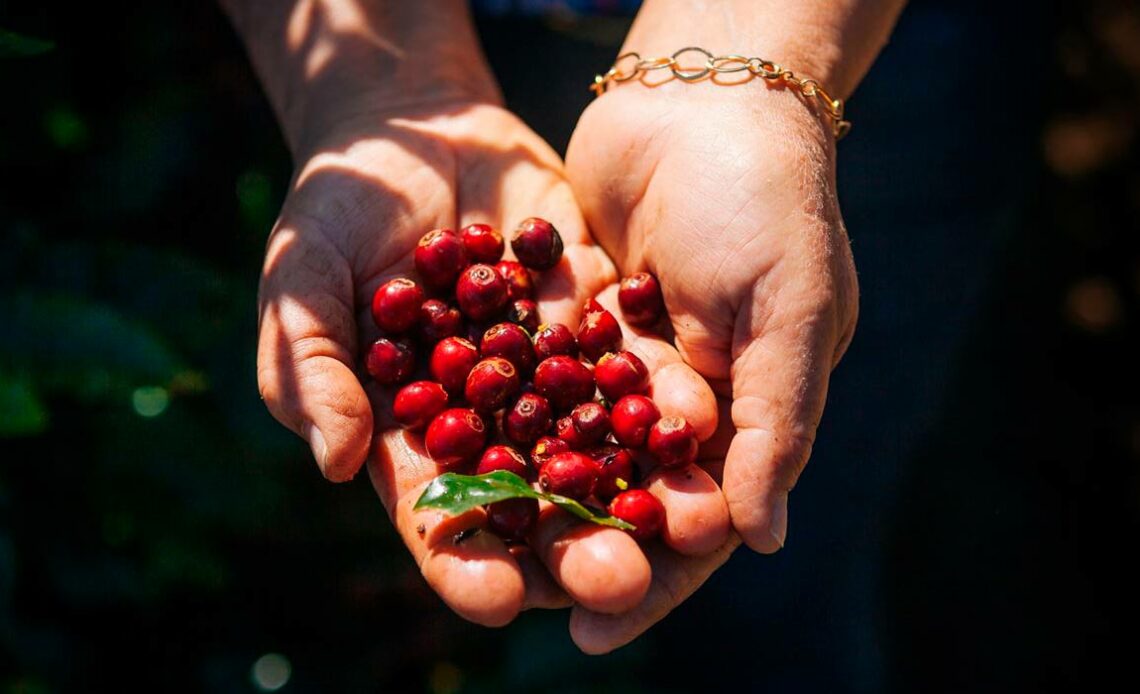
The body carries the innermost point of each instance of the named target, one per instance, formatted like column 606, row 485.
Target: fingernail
column 317, row 443
column 778, row 518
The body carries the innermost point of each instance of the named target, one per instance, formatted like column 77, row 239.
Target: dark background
column 970, row 516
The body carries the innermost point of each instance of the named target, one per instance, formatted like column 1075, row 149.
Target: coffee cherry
column 481, row 292
column 492, row 383
column 546, row 448
column 642, row 509
column 451, row 361
column 587, row 425
column 390, row 361
column 504, row 458
column 537, row 244
column 621, row 373
column 569, row 474
column 439, row 258
column 455, row 437
column 418, row 403
column 510, row 342
column 520, row 285
column 523, row 313
column 592, row 306
column 640, row 299
column 396, row 305
column 512, row 519
column 438, row 320
column 553, row 339
column 599, row 333
column 527, row 419
column 673, row 442
column 615, row 470
column 632, row 417
column 564, row 381
column 482, row 242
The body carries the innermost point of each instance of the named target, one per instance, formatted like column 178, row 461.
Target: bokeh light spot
column 1093, row 304
column 65, row 128
column 445, row 678
column 271, row 672
column 150, row 401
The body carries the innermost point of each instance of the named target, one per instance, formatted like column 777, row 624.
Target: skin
column 726, row 194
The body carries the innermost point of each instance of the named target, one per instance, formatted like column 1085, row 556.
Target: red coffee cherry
column 512, row 519
column 546, row 448
column 510, row 342
column 492, row 383
column 569, row 474
column 621, row 373
column 599, row 333
column 520, row 285
column 390, row 361
column 640, row 299
column 527, row 419
column 439, row 258
column 615, row 470
column 523, row 313
column 483, row 243
column 673, row 442
column 632, row 417
column 481, row 292
column 504, row 458
column 396, row 305
column 455, row 437
column 553, row 339
column 564, row 381
column 537, row 244
column 451, row 360
column 418, row 403
column 587, row 425
column 438, row 320
column 642, row 509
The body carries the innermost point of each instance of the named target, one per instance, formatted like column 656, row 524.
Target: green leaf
column 455, row 494
column 14, row 44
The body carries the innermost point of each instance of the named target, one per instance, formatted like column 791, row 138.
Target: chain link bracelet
column 715, row 65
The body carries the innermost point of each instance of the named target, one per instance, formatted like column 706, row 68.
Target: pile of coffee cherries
column 504, row 392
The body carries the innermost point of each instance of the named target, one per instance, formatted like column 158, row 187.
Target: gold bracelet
column 716, row 65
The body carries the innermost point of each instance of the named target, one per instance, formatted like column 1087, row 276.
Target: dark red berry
column 527, row 419
column 599, row 333
column 546, row 448
column 438, row 320
column 673, row 442
column 553, row 339
column 631, row 418
column 396, row 305
column 587, row 425
column 418, row 403
column 592, row 306
column 620, row 374
column 440, row 257
column 640, row 299
column 520, row 285
column 483, row 243
column 481, row 292
column 641, row 509
column 537, row 244
column 504, row 458
column 569, row 474
column 390, row 361
column 491, row 384
column 524, row 313
column 451, row 361
column 510, row 342
column 512, row 519
column 615, row 470
column 455, row 437
column 564, row 381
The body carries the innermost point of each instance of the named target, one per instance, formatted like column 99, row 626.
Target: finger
column 696, row 514
column 305, row 350
column 542, row 591
column 675, row 578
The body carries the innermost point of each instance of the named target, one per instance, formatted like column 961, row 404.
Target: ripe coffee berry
column 418, row 403
column 564, row 381
column 673, row 442
column 512, row 519
column 438, row 320
column 439, row 258
column 631, row 418
column 451, row 360
column 523, row 313
column 615, row 470
column 642, row 509
column 481, row 292
column 492, row 383
column 546, row 448
column 520, row 285
column 640, row 299
column 390, row 361
column 599, row 333
column 569, row 474
column 455, row 437
column 527, row 419
column 537, row 244
column 396, row 305
column 482, row 242
column 621, row 373
column 553, row 339
column 510, row 342
column 504, row 458
column 587, row 425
